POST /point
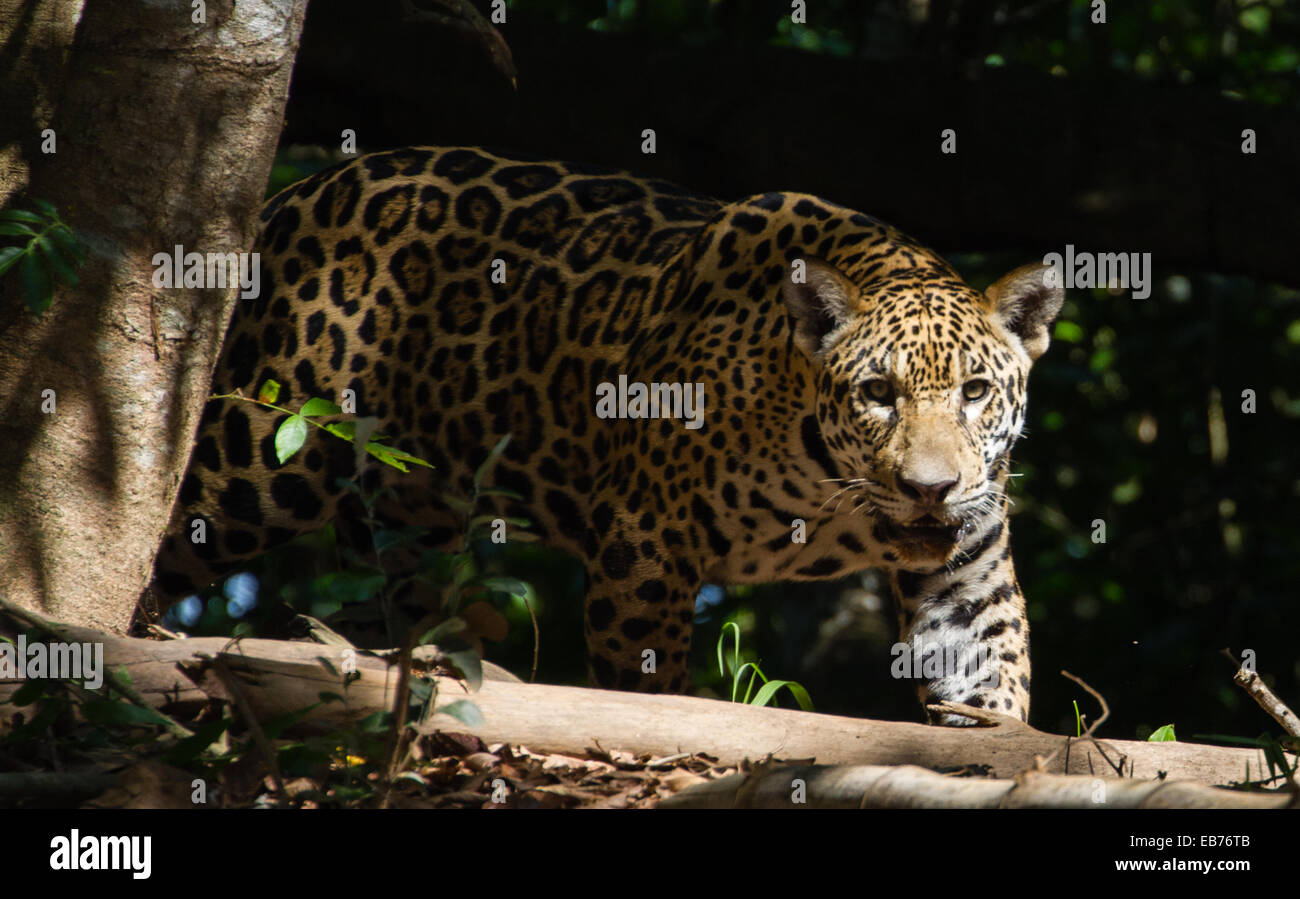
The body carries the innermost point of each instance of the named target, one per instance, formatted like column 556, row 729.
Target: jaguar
column 858, row 401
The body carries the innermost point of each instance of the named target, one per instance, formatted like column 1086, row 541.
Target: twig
column 1267, row 700
column 228, row 680
column 1105, row 709
column 537, row 640
column 398, row 734
column 1087, row 734
column 982, row 717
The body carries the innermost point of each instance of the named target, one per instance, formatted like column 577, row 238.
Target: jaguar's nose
column 929, row 492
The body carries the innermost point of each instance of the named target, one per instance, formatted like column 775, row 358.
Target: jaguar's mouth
column 927, row 532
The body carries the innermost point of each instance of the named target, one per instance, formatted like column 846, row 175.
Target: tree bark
column 165, row 132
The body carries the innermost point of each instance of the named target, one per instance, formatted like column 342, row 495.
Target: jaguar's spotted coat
column 851, row 381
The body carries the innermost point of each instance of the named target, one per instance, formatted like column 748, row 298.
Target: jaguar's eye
column 974, row 391
column 878, row 390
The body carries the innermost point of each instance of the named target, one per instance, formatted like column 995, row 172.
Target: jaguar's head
column 921, row 392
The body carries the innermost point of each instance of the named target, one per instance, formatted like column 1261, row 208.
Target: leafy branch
column 292, row 433
column 51, row 250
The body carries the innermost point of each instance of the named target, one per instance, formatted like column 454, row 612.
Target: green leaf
column 61, row 266
column 499, row 491
column 376, row 723
column 393, row 457
column 421, row 691
column 9, row 257
column 348, row 587
column 513, row 586
column 317, row 406
column 36, row 284
column 290, row 437
column 444, row 630
column 68, row 243
column 734, row 629
column 463, row 711
column 469, row 664
column 345, row 429
column 490, row 461
column 768, row 692
column 46, row 208
column 458, row 505
column 13, row 229
column 21, row 215
column 190, row 748
column 1163, row 735
column 107, row 711
column 270, row 391
column 388, row 538
column 387, row 459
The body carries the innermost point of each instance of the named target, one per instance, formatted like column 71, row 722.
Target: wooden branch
column 907, row 786
column 277, row 678
column 1253, row 684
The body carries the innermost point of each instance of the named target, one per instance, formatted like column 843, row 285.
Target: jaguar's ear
column 1026, row 304
column 820, row 299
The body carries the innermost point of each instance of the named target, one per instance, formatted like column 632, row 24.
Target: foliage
column 93, row 725
column 460, row 601
column 292, row 433
column 355, row 764
column 49, row 251
column 735, row 669
column 1163, row 734
column 1248, row 50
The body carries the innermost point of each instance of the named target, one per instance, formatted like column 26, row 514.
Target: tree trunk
column 164, row 129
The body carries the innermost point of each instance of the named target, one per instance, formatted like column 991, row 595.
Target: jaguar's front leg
column 638, row 622
column 966, row 632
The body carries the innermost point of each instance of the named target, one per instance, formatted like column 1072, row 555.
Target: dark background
column 1116, row 137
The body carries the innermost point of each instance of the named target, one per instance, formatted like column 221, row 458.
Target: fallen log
column 908, row 786
column 278, row 678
